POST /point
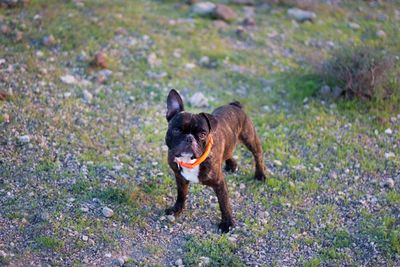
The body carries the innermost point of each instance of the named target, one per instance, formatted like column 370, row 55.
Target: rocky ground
column 83, row 172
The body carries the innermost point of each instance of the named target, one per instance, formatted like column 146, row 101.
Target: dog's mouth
column 186, row 157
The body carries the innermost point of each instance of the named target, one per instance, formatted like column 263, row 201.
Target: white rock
column 190, row 66
column 242, row 186
column 389, row 155
column 24, row 139
column 87, row 96
column 171, row 218
column 107, row 212
column 85, row 238
column 354, row 26
column 301, row 15
column 388, row 183
column 203, row 8
column 68, row 79
column 388, row 131
column 204, row 261
column 381, row 34
column 277, row 162
column 178, row 262
column 198, row 100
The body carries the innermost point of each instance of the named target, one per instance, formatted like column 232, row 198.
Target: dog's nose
column 189, row 139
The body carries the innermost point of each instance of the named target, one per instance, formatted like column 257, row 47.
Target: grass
column 49, row 242
column 219, row 249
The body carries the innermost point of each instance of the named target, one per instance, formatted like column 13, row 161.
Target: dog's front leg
column 183, row 188
column 221, row 190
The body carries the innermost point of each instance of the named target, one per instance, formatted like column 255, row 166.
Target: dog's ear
column 211, row 121
column 174, row 104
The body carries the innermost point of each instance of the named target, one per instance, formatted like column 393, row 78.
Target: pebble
column 6, row 118
column 85, row 238
column 198, row 100
column 118, row 262
column 242, row 186
column 87, row 96
column 24, row 139
column 3, row 254
column 68, row 79
column 107, row 212
column 389, row 183
column 381, row 34
column 277, row 162
column 203, row 8
column 100, row 60
column 301, row 15
column 389, row 155
column 224, row 12
column 388, row 131
column 354, row 26
column 178, row 262
column 49, row 40
column 84, row 209
column 204, row 261
column 171, row 218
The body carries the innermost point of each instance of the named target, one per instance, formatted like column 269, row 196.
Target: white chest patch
column 191, row 175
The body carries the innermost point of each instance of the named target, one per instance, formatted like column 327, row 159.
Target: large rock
column 301, row 15
column 225, row 13
column 203, row 8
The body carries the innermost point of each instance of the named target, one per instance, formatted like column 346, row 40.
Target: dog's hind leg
column 249, row 138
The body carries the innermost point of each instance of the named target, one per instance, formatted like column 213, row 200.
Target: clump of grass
column 219, row 249
column 362, row 72
column 49, row 242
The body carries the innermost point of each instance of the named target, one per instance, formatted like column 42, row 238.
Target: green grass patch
column 219, row 249
column 50, row 242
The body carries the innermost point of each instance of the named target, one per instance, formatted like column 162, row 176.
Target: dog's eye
column 176, row 131
column 202, row 135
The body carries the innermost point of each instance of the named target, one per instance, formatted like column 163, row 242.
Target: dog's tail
column 236, row 104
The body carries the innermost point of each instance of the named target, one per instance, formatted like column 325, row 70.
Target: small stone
column 118, row 262
column 68, row 79
column 389, row 155
column 225, row 13
column 381, row 34
column 354, row 26
column 389, row 183
column 84, row 209
column 249, row 22
column 3, row 254
column 107, row 212
column 6, row 118
column 24, row 139
column 388, row 131
column 18, row 36
column 100, row 60
column 178, row 262
column 203, row 8
column 301, row 15
column 153, row 60
column 242, row 186
column 85, row 238
column 277, row 162
column 204, row 261
column 49, row 40
column 337, row 92
column 87, row 96
column 45, row 216
column 198, row 100
column 171, row 218
column 325, row 91
column 220, row 25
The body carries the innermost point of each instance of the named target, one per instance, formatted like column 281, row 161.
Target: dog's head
column 187, row 133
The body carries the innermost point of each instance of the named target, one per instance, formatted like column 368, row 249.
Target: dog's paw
column 260, row 176
column 173, row 211
column 225, row 226
column 231, row 165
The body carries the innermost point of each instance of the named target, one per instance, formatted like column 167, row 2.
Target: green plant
column 362, row 72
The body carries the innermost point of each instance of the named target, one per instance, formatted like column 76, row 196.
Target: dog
column 198, row 145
